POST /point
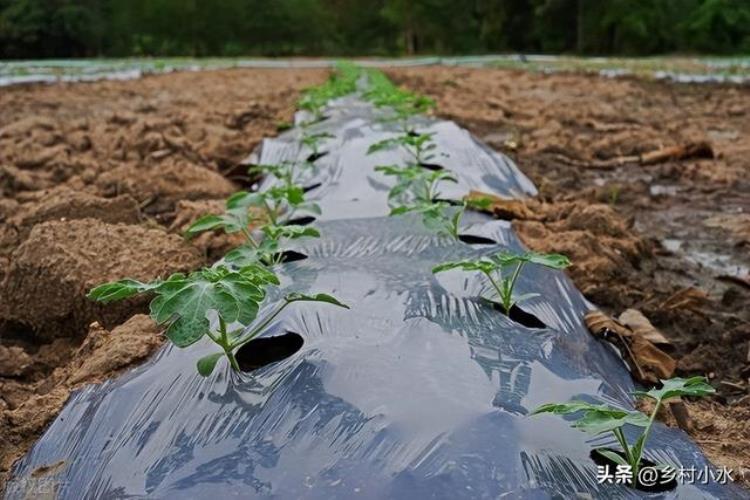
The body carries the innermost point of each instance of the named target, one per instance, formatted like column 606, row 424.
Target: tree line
column 88, row 28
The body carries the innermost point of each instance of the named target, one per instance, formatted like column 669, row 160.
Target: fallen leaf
column 691, row 299
column 648, row 364
column 636, row 321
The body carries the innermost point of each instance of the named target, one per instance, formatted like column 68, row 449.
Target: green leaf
column 118, row 290
column 205, row 223
column 398, row 191
column 481, row 204
column 442, row 175
column 207, row 364
column 446, row 266
column 484, row 265
column 434, row 216
column 313, row 140
column 553, row 260
column 244, row 255
column 382, row 145
column 295, row 195
column 605, row 420
column 400, row 210
column 595, row 419
column 394, row 170
column 614, row 457
column 640, row 443
column 502, row 260
column 259, row 274
column 243, row 199
column 678, row 387
column 232, row 221
column 184, row 302
column 320, row 297
column 563, row 408
column 289, row 232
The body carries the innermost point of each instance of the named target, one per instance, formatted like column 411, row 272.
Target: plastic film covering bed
column 419, row 391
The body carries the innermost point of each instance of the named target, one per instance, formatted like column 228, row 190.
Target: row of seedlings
column 223, row 301
column 416, row 190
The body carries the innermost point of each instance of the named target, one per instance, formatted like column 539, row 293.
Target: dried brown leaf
column 647, row 362
column 636, row 321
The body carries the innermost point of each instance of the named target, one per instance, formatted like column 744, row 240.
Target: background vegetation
column 78, row 28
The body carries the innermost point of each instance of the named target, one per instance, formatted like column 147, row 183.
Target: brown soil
column 97, row 181
column 656, row 237
column 52, row 270
column 35, row 390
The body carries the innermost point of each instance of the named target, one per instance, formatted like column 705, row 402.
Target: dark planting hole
column 521, row 317
column 311, row 187
column 288, row 256
column 264, row 351
column 432, row 166
column 316, row 156
column 238, row 173
column 662, row 483
column 476, row 240
column 412, row 133
column 454, row 203
column 300, row 221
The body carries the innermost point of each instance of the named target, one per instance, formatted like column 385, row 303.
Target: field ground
column 97, row 180
column 676, row 68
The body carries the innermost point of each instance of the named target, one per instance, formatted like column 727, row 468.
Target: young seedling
column 273, row 206
column 417, row 145
column 268, row 250
column 279, row 203
column 313, row 142
column 416, row 190
column 495, row 268
column 437, row 216
column 342, row 81
column 288, row 173
column 383, row 93
column 182, row 304
column 414, row 183
column 602, row 418
column 262, row 210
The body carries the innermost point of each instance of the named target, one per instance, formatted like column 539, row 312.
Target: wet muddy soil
column 670, row 238
column 97, row 181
